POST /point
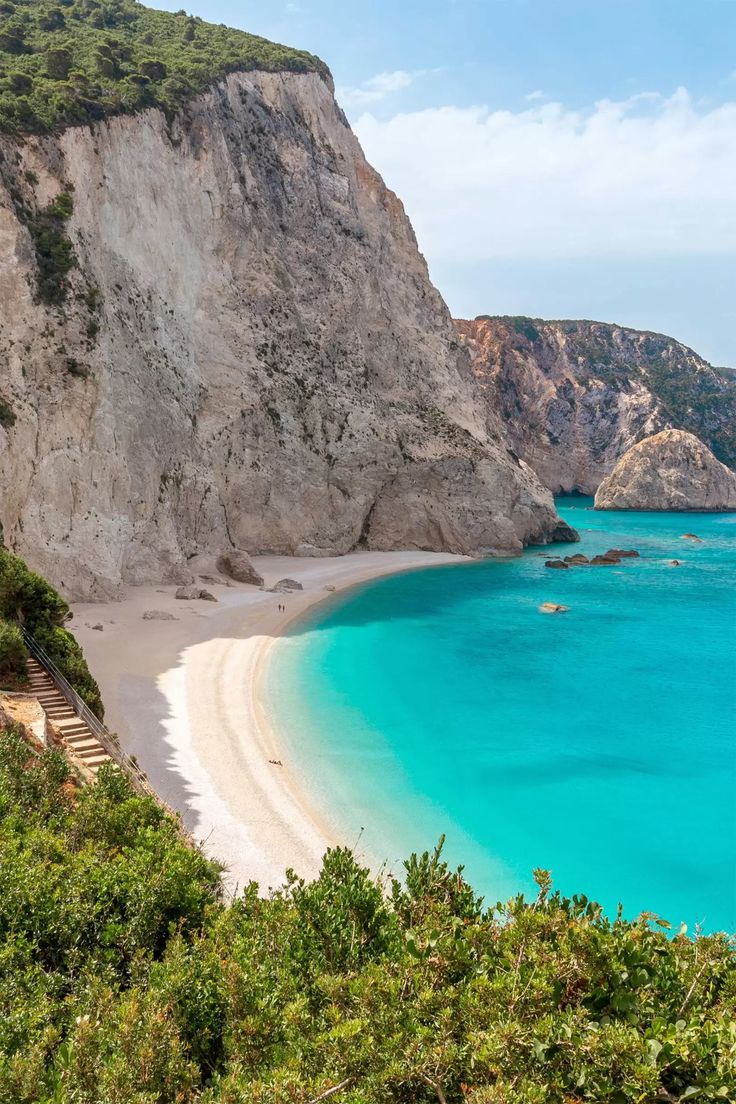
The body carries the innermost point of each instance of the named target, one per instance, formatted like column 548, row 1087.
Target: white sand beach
column 183, row 697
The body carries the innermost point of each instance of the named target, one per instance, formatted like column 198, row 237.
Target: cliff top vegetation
column 67, row 62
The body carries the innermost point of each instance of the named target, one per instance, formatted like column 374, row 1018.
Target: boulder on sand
column 159, row 615
column 283, row 586
column 238, row 565
column 190, row 593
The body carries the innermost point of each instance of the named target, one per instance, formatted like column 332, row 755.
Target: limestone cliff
column 216, row 330
column 670, row 471
column 576, row 395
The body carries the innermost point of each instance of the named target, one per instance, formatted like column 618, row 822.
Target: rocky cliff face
column 577, row 395
column 246, row 352
column 670, row 471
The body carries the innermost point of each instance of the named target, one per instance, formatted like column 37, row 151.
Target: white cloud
column 650, row 175
column 537, row 94
column 376, row 88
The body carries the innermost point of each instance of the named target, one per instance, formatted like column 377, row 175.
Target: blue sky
column 559, row 158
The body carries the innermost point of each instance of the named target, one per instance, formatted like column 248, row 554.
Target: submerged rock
column 553, row 607
column 672, row 470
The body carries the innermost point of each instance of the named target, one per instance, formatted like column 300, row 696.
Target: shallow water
column 598, row 743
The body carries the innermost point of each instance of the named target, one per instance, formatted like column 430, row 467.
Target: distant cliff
column 216, row 330
column 575, row 396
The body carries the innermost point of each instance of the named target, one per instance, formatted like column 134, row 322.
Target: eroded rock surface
column 575, row 396
column 672, row 470
column 250, row 351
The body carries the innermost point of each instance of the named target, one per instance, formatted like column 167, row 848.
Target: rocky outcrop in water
column 234, row 341
column 670, row 471
column 575, row 396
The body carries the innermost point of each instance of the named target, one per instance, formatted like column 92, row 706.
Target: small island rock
column 559, row 564
column 673, row 470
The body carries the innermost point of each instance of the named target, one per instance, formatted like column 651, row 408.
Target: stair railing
column 101, row 733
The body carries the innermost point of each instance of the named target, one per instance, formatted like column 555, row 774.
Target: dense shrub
column 55, row 257
column 27, row 598
column 13, row 657
column 125, row 977
column 70, row 63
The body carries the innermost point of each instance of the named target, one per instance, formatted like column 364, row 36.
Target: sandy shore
column 184, row 698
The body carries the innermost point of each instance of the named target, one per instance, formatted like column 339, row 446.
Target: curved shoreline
column 186, row 697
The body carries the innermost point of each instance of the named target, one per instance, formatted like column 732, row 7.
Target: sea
column 598, row 743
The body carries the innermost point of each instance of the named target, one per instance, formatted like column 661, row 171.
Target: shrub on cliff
column 13, row 658
column 124, row 976
column 27, row 598
column 73, row 63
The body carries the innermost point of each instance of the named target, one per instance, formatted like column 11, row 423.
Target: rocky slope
column 217, row 331
column 577, row 395
column 672, row 470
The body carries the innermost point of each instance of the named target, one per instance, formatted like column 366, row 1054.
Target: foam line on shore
column 186, row 698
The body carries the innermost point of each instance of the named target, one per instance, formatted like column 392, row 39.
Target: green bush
column 13, row 657
column 125, row 977
column 55, row 255
column 83, row 60
column 27, row 598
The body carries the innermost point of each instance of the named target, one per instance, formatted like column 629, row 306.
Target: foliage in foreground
column 27, row 598
column 76, row 61
column 126, row 979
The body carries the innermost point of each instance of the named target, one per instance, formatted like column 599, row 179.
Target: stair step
column 79, row 744
column 91, row 753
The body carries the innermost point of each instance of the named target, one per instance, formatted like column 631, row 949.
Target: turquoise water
column 598, row 744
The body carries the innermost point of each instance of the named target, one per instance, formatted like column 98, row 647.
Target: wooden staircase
column 75, row 733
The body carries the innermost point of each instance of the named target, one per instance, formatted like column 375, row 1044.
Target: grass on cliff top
column 75, row 61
